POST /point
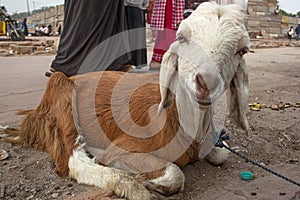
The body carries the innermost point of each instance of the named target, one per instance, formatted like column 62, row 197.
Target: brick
column 49, row 43
column 40, row 48
column 22, row 49
column 4, row 44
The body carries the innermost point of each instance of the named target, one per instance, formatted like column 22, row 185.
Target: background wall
column 260, row 18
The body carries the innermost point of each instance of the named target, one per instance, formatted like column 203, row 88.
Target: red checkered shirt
column 158, row 15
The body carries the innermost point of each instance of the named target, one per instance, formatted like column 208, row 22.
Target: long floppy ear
column 237, row 97
column 168, row 76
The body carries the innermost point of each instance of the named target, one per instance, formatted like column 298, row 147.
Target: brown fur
column 140, row 102
column 106, row 108
column 52, row 128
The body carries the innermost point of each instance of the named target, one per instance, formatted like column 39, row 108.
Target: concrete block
column 260, row 13
column 261, row 9
column 40, row 48
column 4, row 44
column 35, row 44
column 275, row 30
column 22, row 43
column 49, row 43
column 22, row 49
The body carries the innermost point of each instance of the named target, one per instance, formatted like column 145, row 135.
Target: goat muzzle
column 202, row 90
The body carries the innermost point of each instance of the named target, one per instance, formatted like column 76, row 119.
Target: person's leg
column 85, row 49
column 164, row 38
column 137, row 35
column 159, row 46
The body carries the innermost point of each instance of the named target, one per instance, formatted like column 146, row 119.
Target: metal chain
column 223, row 136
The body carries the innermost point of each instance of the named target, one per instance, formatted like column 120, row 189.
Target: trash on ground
column 3, row 155
column 247, row 175
column 279, row 106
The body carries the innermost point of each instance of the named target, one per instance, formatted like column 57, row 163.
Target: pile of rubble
column 273, row 43
column 49, row 45
column 29, row 47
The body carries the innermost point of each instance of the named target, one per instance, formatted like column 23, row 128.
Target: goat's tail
column 50, row 127
column 12, row 135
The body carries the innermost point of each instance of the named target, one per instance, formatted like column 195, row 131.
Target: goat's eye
column 181, row 38
column 243, row 51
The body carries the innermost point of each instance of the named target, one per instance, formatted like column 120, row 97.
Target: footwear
column 48, row 74
column 154, row 66
column 52, row 69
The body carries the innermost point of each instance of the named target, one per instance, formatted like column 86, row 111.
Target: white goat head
column 206, row 60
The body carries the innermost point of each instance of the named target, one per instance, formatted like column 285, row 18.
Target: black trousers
column 136, row 24
column 93, row 37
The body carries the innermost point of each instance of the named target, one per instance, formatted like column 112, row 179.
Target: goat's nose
column 206, row 84
column 202, row 91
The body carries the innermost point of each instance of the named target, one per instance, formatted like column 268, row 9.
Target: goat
column 131, row 133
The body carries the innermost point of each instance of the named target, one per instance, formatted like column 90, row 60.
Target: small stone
column 67, row 193
column 70, row 185
column 22, row 49
column 296, row 196
column 54, row 195
column 262, row 164
column 30, row 197
column 293, row 160
column 245, row 143
column 2, row 191
column 3, row 155
column 274, row 107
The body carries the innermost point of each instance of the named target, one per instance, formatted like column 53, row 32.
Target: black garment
column 136, row 22
column 86, row 42
column 297, row 30
column 59, row 30
column 24, row 27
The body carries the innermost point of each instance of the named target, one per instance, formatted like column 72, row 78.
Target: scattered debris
column 274, row 107
column 282, row 193
column 253, row 193
column 255, row 106
column 2, row 191
column 280, row 106
column 11, row 48
column 3, row 155
column 3, row 127
column 247, row 175
column 296, row 196
column 262, row 164
column 292, row 161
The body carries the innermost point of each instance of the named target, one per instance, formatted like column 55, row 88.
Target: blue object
column 246, row 175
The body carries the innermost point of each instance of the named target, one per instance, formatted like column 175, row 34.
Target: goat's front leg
column 84, row 170
column 217, row 155
column 159, row 175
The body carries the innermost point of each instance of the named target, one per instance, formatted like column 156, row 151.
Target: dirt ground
column 275, row 142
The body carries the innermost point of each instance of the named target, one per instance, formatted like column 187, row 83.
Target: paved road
column 22, row 83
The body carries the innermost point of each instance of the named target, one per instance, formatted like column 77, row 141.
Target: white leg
column 172, row 181
column 85, row 170
column 217, row 156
